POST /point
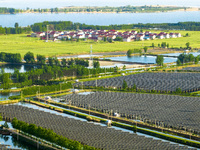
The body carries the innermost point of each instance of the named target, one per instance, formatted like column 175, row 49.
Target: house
column 126, row 39
column 166, row 35
column 134, row 32
column 172, row 35
column 152, row 36
column 37, row 34
column 140, row 37
column 146, row 38
column 111, row 37
column 177, row 35
column 160, row 36
column 101, row 38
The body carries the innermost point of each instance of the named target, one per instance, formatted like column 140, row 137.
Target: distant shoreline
column 101, row 10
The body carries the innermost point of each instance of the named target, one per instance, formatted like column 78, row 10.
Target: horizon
column 62, row 3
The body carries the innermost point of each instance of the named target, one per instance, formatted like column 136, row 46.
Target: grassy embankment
column 22, row 44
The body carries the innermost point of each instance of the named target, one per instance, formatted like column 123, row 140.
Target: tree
column 153, row 45
column 160, row 60
column 16, row 25
column 124, row 85
column 129, row 52
column 51, row 61
column 5, row 125
column 178, row 91
column 104, row 39
column 1, row 118
column 178, row 62
column 96, row 64
column 64, row 62
column 187, row 45
column 197, row 59
column 41, row 59
column 29, row 57
column 145, row 49
column 167, row 45
column 124, row 67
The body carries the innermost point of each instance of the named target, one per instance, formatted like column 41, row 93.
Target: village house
column 127, row 36
column 37, row 34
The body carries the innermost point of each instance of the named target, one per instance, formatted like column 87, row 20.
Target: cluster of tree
column 43, row 75
column 15, row 30
column 4, row 10
column 134, row 51
column 10, row 57
column 46, row 89
column 163, row 45
column 186, row 58
column 49, row 135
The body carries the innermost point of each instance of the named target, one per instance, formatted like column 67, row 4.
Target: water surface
column 8, row 20
column 142, row 59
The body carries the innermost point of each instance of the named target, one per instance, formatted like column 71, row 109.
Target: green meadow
column 20, row 43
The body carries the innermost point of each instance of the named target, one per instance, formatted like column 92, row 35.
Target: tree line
column 49, row 135
column 68, row 25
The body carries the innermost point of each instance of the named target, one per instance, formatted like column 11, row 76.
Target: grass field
column 22, row 44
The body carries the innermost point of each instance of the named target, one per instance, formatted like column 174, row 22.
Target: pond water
column 12, row 142
column 177, row 54
column 142, row 59
column 10, row 68
column 8, row 20
column 5, row 96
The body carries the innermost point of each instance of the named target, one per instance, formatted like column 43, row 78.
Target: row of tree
column 49, row 135
column 47, row 89
column 68, row 25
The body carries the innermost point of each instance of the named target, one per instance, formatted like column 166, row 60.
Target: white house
column 177, row 35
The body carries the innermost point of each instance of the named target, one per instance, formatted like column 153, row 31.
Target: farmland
column 21, row 44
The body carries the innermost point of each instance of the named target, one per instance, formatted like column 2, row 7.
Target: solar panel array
column 84, row 132
column 152, row 81
column 176, row 111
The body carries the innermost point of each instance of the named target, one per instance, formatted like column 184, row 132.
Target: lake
column 8, row 20
column 142, row 59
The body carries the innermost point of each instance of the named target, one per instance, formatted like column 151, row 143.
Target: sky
column 62, row 3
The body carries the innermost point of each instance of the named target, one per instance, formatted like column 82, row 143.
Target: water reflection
column 10, row 68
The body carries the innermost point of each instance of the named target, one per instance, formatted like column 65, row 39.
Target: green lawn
column 22, row 44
